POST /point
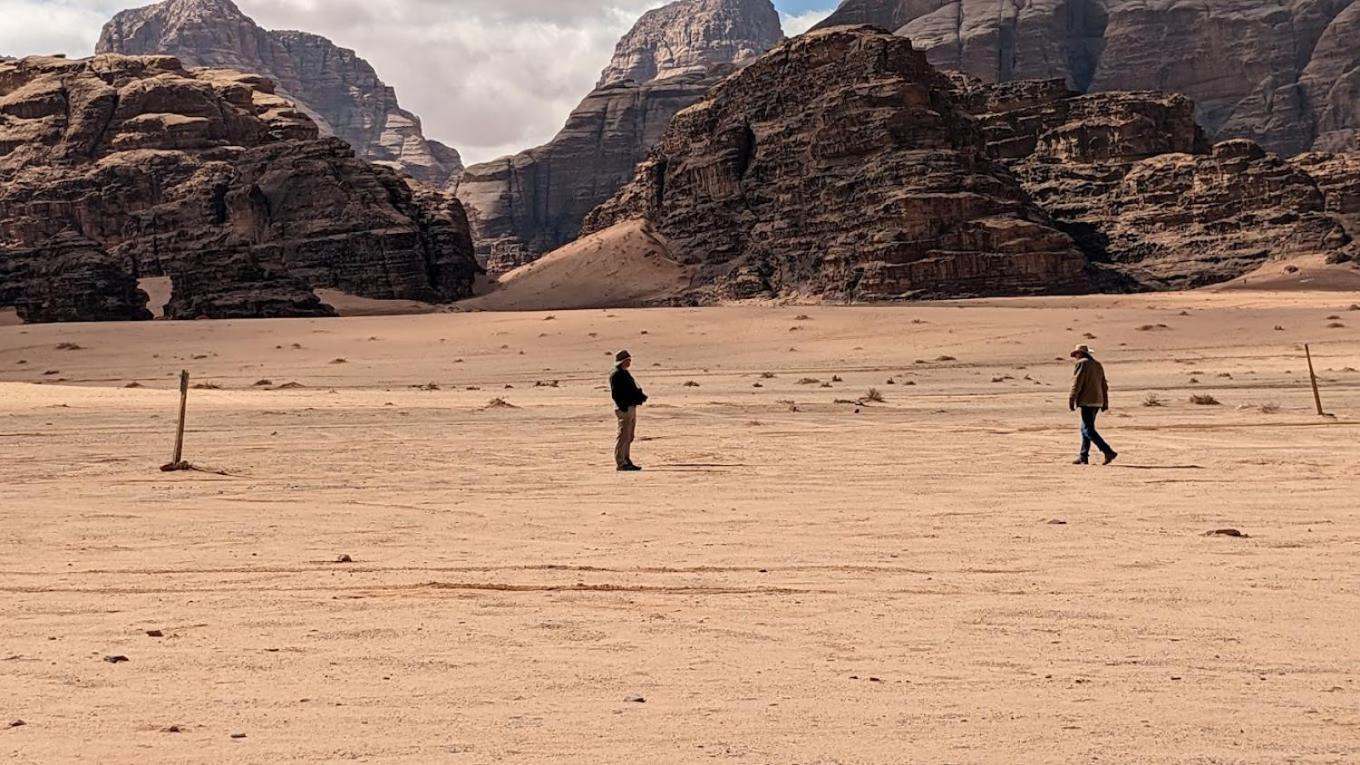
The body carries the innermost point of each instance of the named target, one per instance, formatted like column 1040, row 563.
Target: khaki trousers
column 623, row 450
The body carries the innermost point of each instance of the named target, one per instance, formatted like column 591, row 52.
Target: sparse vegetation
column 339, row 361
column 263, row 383
column 945, row 358
column 809, row 381
column 1153, row 401
column 1336, row 325
column 802, row 317
column 1271, row 408
column 70, row 347
column 1204, row 400
column 767, row 375
column 874, row 396
column 691, row 384
column 207, row 386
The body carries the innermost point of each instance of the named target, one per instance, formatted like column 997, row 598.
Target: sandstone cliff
column 116, row 168
column 693, row 37
column 1132, row 178
column 840, row 166
column 531, row 203
column 338, row 89
column 1285, row 73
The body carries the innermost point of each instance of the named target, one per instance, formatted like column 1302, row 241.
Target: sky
column 488, row 77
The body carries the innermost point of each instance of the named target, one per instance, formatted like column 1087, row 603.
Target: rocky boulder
column 526, row 205
column 1285, row 73
column 210, row 178
column 338, row 89
column 841, row 166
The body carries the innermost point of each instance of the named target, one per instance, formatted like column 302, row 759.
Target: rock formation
column 531, row 203
column 338, row 89
column 693, row 37
column 116, row 168
column 840, row 166
column 1132, row 178
column 1285, row 73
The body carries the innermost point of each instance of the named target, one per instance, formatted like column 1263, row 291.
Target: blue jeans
column 1089, row 435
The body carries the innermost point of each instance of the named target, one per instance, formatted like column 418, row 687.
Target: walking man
column 627, row 398
column 1090, row 393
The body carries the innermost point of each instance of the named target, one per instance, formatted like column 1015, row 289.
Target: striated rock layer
column 839, row 165
column 1285, row 73
column 338, row 89
column 531, row 203
column 1132, row 178
column 116, row 168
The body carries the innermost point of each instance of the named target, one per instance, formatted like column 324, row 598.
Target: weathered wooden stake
column 1317, row 396
column 178, row 462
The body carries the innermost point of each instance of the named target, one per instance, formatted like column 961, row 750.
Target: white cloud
column 797, row 23
column 489, row 77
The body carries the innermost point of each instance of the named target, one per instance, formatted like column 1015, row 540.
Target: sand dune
column 798, row 578
column 626, row 265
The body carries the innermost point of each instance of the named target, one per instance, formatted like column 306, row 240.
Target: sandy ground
column 922, row 580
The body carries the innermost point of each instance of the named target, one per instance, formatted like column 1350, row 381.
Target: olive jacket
column 1089, row 386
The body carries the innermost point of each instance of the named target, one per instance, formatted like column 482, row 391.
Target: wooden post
column 1317, row 396
column 178, row 462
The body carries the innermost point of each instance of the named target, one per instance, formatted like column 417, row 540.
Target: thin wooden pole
column 178, row 462
column 1317, row 396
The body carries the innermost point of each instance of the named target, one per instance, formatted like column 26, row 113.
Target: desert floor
column 923, row 580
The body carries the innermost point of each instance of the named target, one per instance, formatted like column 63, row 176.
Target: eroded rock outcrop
column 338, row 89
column 1285, row 73
column 526, row 205
column 208, row 177
column 839, row 165
column 1132, row 178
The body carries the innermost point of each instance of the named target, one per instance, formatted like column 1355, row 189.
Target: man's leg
column 1088, row 418
column 623, row 448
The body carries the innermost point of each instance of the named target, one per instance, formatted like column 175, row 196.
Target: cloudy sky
column 489, row 77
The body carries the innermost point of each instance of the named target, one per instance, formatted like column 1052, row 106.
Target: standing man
column 627, row 398
column 1090, row 392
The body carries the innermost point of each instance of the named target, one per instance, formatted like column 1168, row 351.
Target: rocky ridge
column 840, row 166
column 338, row 89
column 1132, row 177
column 526, row 205
column 117, row 168
column 1285, row 73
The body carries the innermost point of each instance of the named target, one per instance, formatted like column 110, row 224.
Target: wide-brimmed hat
column 622, row 356
column 1081, row 350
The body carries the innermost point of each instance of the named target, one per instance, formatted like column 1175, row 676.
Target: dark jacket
column 1089, row 386
column 625, row 390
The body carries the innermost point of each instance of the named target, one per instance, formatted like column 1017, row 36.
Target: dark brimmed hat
column 1081, row 350
column 622, row 356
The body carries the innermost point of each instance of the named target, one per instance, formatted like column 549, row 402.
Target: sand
column 626, row 265
column 923, row 580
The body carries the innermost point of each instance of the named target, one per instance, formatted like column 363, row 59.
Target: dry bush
column 1271, row 408
column 1153, row 400
column 1204, row 399
column 874, row 396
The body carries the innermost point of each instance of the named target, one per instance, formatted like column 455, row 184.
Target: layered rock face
column 1285, row 73
column 1132, row 178
column 526, row 205
column 116, row 168
column 693, row 37
column 839, row 165
column 338, row 89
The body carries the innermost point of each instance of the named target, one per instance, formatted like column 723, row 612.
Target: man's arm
column 1105, row 388
column 1076, row 386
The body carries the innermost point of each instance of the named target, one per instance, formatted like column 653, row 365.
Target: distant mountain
column 337, row 88
column 526, row 205
column 1285, row 73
